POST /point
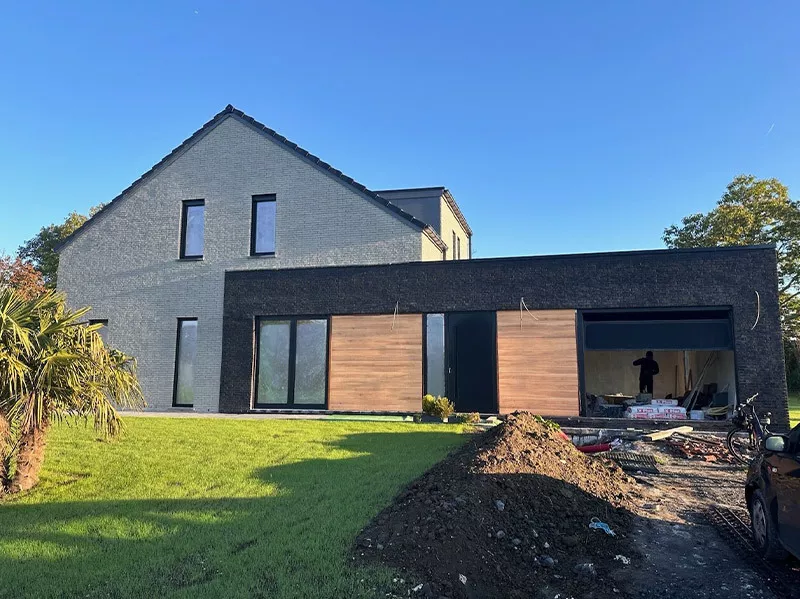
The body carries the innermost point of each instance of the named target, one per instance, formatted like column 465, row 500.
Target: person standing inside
column 648, row 368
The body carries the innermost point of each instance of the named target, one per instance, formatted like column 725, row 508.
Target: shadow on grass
column 293, row 543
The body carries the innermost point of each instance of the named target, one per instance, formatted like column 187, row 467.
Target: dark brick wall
column 657, row 279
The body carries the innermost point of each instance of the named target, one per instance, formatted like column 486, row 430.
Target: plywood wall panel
column 537, row 362
column 374, row 367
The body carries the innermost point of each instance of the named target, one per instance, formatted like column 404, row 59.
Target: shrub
column 468, row 417
column 440, row 407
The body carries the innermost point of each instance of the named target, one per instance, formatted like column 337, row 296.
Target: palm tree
column 52, row 367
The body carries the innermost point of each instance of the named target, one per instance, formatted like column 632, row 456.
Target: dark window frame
column 290, row 405
column 181, row 320
column 458, row 247
column 259, row 199
column 455, row 256
column 185, row 205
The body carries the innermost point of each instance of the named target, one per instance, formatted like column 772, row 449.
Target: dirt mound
column 508, row 516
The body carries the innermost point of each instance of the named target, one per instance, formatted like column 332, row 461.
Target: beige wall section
column 373, row 366
column 721, row 371
column 449, row 224
column 609, row 372
column 537, row 362
column 429, row 250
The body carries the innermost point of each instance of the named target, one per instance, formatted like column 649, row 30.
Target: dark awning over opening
column 696, row 330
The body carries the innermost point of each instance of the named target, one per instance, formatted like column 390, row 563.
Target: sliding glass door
column 292, row 363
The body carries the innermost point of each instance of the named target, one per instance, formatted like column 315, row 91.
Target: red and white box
column 664, row 402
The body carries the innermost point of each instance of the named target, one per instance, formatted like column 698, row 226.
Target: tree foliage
column 753, row 211
column 22, row 276
column 40, row 249
column 53, row 366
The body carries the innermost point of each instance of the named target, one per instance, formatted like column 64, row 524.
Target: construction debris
column 698, row 448
column 631, row 461
column 658, row 436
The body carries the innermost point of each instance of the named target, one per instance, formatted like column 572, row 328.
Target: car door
column 785, row 469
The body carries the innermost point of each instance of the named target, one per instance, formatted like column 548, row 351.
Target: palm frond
column 54, row 366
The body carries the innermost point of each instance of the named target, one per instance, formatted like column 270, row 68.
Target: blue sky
column 558, row 126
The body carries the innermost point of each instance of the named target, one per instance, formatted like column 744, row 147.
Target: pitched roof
column 228, row 112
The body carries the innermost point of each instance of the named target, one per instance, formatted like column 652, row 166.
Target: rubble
column 699, row 448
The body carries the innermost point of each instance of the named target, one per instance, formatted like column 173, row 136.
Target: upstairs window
column 262, row 228
column 455, row 255
column 193, row 229
column 458, row 247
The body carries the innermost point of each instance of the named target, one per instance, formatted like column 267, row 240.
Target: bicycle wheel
column 742, row 445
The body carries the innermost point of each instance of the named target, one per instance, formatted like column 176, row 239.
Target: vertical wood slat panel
column 374, row 367
column 537, row 363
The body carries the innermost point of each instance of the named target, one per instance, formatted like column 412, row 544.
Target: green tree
column 53, row 367
column 40, row 249
column 753, row 211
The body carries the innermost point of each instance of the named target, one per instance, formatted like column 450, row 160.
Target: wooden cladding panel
column 537, row 362
column 374, row 367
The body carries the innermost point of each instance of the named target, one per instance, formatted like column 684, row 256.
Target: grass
column 794, row 410
column 210, row 508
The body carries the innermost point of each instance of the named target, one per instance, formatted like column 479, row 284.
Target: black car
column 773, row 496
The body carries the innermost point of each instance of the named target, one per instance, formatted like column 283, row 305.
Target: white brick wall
column 126, row 264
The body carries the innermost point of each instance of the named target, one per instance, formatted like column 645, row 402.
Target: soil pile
column 508, row 516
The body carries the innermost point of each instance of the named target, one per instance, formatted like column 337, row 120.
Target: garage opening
column 693, row 350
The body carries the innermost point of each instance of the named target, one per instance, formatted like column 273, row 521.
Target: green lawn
column 210, row 508
column 794, row 409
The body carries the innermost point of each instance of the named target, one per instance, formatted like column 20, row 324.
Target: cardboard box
column 664, row 402
column 670, row 410
column 674, row 416
column 655, row 413
column 642, row 409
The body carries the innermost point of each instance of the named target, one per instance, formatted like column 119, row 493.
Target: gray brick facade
column 126, row 265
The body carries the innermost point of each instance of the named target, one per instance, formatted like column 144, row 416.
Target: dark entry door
column 471, row 361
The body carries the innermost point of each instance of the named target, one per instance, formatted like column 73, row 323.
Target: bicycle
column 744, row 439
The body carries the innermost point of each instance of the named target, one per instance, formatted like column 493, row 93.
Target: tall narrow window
column 292, row 363
column 455, row 255
column 193, row 229
column 273, row 362
column 262, row 228
column 185, row 355
column 434, row 354
column 311, row 362
column 458, row 247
